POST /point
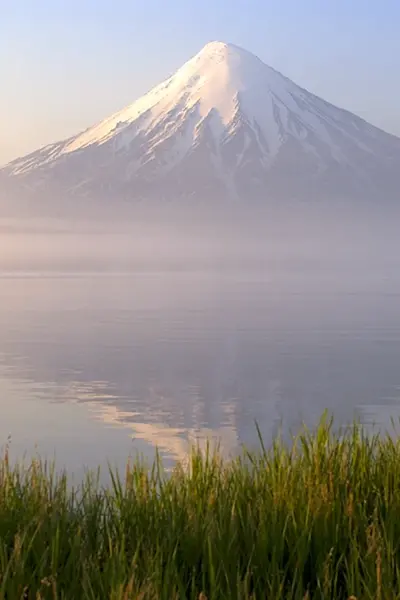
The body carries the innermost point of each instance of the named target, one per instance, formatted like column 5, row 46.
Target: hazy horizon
column 124, row 237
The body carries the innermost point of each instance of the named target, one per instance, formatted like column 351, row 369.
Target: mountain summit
column 224, row 125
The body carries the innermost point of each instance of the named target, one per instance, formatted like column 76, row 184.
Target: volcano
column 225, row 125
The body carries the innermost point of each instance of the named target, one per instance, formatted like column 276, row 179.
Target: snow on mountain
column 225, row 124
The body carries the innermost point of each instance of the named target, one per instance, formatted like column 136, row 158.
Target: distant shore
column 318, row 520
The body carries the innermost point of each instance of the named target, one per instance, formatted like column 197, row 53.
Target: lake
column 96, row 366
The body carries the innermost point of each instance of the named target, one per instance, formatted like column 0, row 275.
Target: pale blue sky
column 65, row 64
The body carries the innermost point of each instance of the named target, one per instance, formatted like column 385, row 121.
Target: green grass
column 318, row 520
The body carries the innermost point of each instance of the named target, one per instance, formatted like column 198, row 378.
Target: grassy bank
column 319, row 520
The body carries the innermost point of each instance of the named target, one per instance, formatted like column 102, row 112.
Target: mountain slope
column 224, row 125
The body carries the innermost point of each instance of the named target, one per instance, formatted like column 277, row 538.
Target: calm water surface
column 94, row 367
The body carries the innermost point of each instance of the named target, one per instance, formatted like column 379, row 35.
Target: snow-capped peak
column 227, row 118
column 211, row 80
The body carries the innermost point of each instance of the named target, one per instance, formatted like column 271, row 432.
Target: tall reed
column 319, row 519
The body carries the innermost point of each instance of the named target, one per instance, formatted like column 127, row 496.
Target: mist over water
column 170, row 323
column 119, row 236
